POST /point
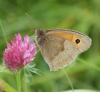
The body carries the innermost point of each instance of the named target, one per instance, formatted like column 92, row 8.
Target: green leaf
column 31, row 65
column 37, row 71
column 6, row 87
column 28, row 76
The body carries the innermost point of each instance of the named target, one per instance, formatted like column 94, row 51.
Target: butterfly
column 59, row 47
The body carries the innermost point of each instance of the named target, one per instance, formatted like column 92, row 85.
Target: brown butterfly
column 60, row 47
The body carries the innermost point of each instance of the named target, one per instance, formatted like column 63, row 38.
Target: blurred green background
column 80, row 15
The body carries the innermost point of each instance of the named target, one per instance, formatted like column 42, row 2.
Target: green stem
column 17, row 75
column 25, row 89
column 3, row 31
column 68, row 80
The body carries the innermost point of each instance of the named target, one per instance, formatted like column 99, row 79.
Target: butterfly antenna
column 32, row 19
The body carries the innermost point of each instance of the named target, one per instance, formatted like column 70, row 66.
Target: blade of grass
column 3, row 31
column 68, row 80
column 90, row 64
column 6, row 86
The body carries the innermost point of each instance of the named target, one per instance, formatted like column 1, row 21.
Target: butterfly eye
column 77, row 41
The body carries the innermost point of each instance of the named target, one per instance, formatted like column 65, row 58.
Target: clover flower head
column 19, row 53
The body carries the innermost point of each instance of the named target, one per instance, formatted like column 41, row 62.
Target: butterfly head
column 40, row 36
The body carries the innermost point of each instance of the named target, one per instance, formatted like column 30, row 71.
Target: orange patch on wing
column 62, row 35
